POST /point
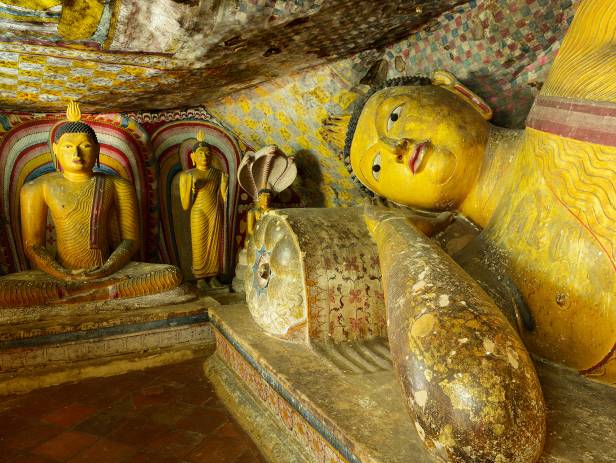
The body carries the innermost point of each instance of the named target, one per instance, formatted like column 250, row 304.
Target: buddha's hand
column 98, row 272
column 82, row 274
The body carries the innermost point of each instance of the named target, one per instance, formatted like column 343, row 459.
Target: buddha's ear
column 54, row 155
column 448, row 81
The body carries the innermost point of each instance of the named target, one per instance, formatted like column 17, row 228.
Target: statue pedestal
column 43, row 346
column 298, row 406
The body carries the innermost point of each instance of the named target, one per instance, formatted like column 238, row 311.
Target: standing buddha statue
column 97, row 231
column 203, row 190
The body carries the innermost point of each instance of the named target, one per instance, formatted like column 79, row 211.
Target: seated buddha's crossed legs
column 35, row 287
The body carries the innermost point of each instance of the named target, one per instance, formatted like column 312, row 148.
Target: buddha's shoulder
column 42, row 182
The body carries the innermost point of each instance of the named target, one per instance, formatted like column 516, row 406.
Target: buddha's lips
column 417, row 157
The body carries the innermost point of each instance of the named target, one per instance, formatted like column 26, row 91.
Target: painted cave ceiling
column 127, row 55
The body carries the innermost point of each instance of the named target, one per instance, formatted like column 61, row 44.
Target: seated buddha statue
column 97, row 231
column 203, row 191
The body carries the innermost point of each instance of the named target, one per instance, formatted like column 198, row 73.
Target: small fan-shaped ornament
column 267, row 169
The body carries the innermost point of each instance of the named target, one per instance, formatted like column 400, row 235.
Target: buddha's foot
column 472, row 390
column 32, row 288
column 202, row 284
column 214, row 283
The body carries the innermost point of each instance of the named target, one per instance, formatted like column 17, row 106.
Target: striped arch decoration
column 171, row 146
column 25, row 155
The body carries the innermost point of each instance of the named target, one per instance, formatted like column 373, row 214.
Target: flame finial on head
column 73, row 113
column 200, row 136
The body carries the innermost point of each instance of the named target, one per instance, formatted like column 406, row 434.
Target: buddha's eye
column 376, row 166
column 393, row 117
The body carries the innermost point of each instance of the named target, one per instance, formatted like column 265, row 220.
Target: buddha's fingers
column 471, row 387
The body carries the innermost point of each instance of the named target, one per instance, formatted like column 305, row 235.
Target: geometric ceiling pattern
column 125, row 55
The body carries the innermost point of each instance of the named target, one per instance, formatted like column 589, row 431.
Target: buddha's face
column 201, row 158
column 420, row 146
column 76, row 152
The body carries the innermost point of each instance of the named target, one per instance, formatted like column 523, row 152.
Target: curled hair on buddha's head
column 75, row 127
column 406, row 81
column 73, row 124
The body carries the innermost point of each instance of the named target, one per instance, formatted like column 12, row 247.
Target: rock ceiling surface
column 124, row 55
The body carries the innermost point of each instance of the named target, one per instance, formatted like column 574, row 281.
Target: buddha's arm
column 126, row 205
column 186, row 190
column 33, row 229
column 451, row 345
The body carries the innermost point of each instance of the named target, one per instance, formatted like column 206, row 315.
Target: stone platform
column 299, row 407
column 42, row 346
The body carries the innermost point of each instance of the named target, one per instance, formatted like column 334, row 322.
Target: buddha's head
column 419, row 142
column 200, row 154
column 75, row 146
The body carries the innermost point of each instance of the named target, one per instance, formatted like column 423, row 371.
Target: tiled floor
column 162, row 415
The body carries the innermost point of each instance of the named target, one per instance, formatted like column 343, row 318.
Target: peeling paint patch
column 423, row 326
column 512, row 358
column 421, row 397
column 417, row 287
column 489, row 345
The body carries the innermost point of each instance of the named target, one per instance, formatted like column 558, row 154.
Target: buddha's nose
column 398, row 147
column 402, row 145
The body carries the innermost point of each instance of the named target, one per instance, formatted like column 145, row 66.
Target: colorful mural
column 289, row 112
column 78, row 23
column 144, row 148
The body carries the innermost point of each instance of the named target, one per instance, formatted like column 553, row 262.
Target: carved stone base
column 42, row 346
column 337, row 416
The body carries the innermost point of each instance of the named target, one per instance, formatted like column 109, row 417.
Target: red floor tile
column 143, row 457
column 65, row 445
column 195, row 394
column 69, row 415
column 138, row 432
column 10, row 424
column 156, row 394
column 29, row 436
column 170, row 414
column 203, row 420
column 101, row 424
column 36, row 406
column 176, row 443
column 105, row 451
column 224, row 446
column 29, row 458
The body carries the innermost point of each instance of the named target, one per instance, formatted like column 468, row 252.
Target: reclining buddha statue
column 538, row 278
column 97, row 231
column 545, row 199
